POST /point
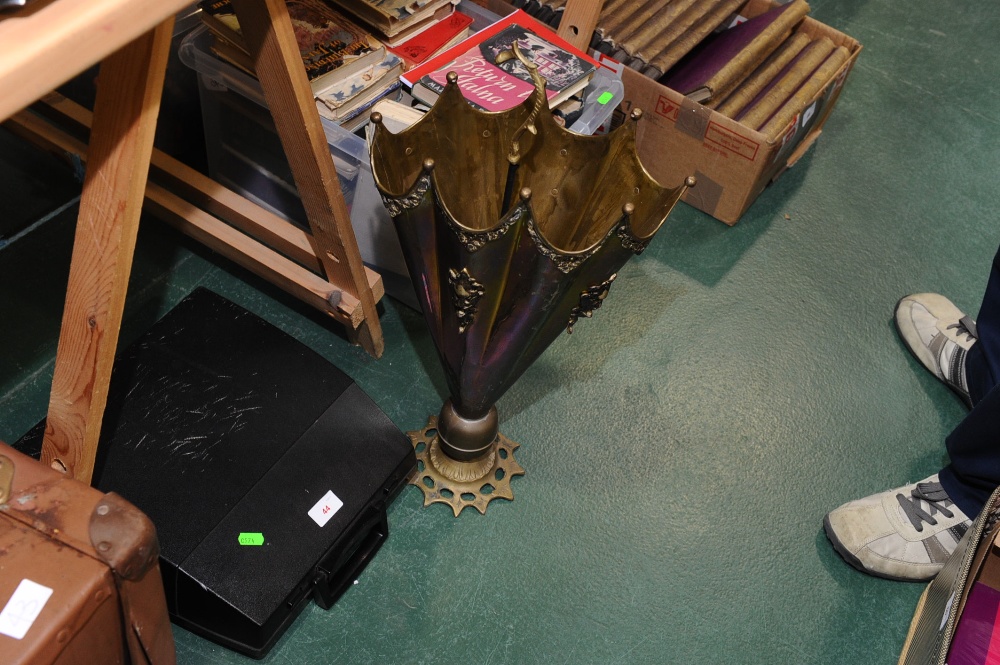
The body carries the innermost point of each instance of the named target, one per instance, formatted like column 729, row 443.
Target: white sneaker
column 903, row 534
column 939, row 335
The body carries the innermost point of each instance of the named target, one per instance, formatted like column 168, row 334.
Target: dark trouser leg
column 982, row 366
column 974, row 446
column 974, row 450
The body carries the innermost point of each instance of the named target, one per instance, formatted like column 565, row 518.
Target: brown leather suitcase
column 79, row 575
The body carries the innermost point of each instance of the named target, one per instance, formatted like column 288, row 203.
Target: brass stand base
column 463, row 484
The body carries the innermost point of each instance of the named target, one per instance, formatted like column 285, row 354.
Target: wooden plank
column 128, row 101
column 41, row 49
column 216, row 234
column 305, row 285
column 578, row 22
column 208, row 194
column 268, row 32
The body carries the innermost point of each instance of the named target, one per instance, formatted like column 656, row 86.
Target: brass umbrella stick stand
column 513, row 229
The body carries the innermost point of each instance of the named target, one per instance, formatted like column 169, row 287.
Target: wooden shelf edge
column 83, row 31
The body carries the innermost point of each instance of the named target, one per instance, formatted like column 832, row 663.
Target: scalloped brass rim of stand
column 436, row 472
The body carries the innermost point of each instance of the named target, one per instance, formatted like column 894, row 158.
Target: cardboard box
column 732, row 163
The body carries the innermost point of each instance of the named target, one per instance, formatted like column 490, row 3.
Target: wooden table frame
column 51, row 41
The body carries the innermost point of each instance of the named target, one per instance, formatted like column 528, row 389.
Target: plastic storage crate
column 244, row 153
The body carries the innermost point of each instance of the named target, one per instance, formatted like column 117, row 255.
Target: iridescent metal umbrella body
column 513, row 228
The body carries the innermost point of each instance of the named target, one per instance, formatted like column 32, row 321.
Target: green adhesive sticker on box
column 605, row 98
column 251, row 539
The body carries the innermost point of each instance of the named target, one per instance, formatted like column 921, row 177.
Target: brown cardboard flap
column 738, row 161
column 800, row 150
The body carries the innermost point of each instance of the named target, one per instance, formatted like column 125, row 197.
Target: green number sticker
column 251, row 539
column 605, row 98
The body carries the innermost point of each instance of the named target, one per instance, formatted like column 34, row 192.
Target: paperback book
column 343, row 100
column 492, row 87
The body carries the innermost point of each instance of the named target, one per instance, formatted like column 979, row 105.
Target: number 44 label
column 325, row 508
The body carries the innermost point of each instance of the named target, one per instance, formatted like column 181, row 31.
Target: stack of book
column 784, row 84
column 760, row 72
column 396, row 21
column 353, row 50
column 441, row 35
column 649, row 36
column 492, row 87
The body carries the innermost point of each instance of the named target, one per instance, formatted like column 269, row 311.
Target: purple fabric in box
column 973, row 637
column 714, row 52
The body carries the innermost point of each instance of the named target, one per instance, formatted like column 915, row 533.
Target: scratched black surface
column 217, row 424
column 200, row 407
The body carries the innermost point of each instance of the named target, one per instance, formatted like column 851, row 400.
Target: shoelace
column 930, row 493
column 965, row 326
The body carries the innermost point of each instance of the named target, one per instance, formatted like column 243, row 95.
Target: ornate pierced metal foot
column 462, row 484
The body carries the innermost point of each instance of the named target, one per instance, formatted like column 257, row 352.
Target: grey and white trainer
column 903, row 534
column 939, row 335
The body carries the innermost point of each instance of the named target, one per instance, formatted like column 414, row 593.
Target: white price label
column 325, row 508
column 808, row 114
column 23, row 608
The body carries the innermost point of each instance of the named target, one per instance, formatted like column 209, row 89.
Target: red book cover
column 423, row 45
column 497, row 88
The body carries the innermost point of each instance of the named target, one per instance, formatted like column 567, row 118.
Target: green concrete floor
column 683, row 446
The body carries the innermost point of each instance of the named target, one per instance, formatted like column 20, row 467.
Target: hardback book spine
column 726, row 54
column 411, row 31
column 543, row 14
column 634, row 16
column 760, row 47
column 666, row 57
column 673, row 11
column 763, row 75
column 798, row 101
column 361, row 106
column 658, row 33
column 774, row 95
column 611, row 9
